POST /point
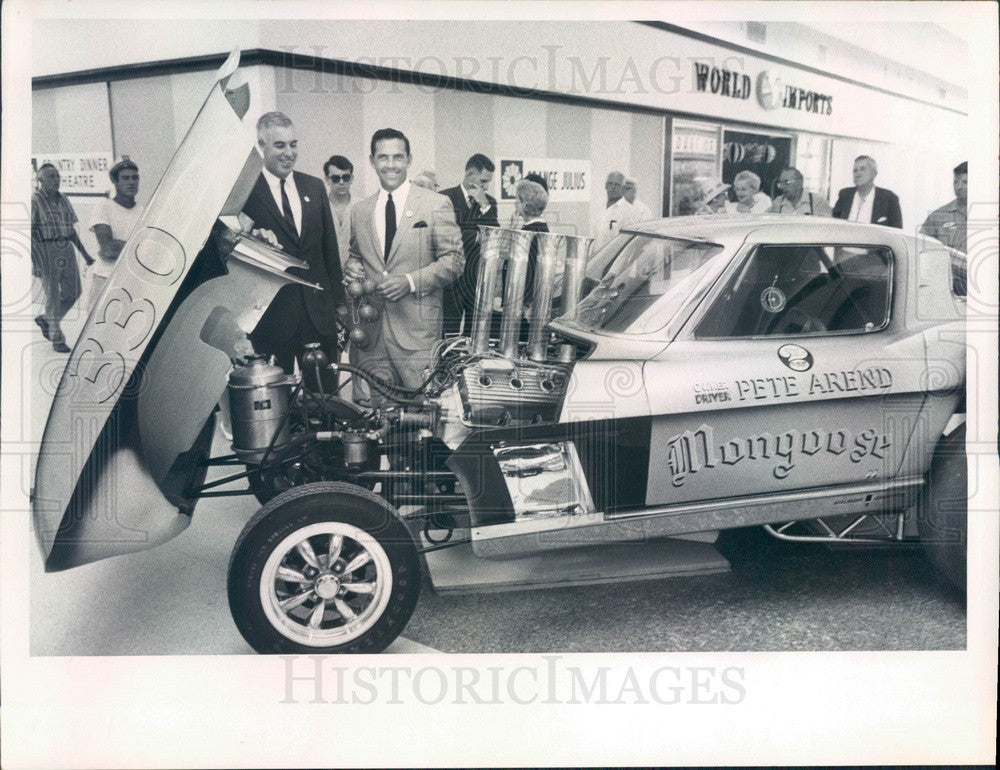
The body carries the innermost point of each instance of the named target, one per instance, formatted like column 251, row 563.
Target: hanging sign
column 81, row 173
column 567, row 179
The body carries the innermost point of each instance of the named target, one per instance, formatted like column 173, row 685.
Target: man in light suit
column 291, row 209
column 865, row 202
column 408, row 242
column 473, row 207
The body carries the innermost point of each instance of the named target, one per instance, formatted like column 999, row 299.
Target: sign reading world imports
column 568, row 180
column 81, row 173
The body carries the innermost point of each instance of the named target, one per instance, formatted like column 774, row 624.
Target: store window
column 792, row 290
column 763, row 154
column 694, row 165
column 812, row 158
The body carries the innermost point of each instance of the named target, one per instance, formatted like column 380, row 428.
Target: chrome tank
column 258, row 403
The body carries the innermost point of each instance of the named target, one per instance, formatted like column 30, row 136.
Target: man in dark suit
column 292, row 208
column 473, row 207
column 865, row 202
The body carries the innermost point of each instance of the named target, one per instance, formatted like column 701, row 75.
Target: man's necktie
column 286, row 208
column 390, row 224
column 473, row 207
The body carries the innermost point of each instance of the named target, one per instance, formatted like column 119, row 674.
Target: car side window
column 799, row 290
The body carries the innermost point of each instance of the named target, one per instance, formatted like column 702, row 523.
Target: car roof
column 774, row 228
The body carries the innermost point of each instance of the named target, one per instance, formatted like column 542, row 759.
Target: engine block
column 505, row 392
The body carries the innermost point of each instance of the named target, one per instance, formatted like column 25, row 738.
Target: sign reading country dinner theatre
column 568, row 180
column 81, row 173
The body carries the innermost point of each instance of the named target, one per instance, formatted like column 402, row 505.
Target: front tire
column 942, row 517
column 323, row 568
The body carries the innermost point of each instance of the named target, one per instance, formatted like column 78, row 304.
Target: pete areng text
column 314, row 679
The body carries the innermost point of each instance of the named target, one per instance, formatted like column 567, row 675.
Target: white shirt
column 342, row 224
column 482, row 210
column 761, row 205
column 399, row 196
column 122, row 222
column 274, row 183
column 861, row 208
column 610, row 221
column 642, row 212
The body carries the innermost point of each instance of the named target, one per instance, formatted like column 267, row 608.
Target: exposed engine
column 511, row 380
column 293, row 430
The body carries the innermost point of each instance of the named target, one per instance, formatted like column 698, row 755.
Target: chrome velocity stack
column 513, row 297
column 577, row 250
column 493, row 244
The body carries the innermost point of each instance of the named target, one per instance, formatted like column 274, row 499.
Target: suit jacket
column 885, row 207
column 462, row 294
column 428, row 247
column 317, row 246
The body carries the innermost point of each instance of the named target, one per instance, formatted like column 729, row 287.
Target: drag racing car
column 694, row 375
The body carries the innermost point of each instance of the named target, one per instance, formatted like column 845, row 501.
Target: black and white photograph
column 527, row 384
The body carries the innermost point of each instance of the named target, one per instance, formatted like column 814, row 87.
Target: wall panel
column 143, row 115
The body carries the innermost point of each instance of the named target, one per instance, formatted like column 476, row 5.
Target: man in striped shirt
column 53, row 237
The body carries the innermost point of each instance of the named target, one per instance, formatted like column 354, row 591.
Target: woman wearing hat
column 714, row 201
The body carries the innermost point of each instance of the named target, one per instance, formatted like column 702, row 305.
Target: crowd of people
column 400, row 266
column 54, row 238
column 862, row 202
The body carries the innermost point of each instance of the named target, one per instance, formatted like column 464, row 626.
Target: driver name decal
column 698, row 451
column 817, row 383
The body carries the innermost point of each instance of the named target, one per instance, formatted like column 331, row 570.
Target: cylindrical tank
column 258, row 402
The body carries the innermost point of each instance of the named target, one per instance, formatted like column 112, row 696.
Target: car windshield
column 639, row 289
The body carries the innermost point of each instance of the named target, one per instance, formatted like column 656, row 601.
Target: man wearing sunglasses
column 339, row 173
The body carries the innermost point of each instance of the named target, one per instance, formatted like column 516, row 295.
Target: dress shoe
column 44, row 325
column 60, row 346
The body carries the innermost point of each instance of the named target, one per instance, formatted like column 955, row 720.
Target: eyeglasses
column 337, row 178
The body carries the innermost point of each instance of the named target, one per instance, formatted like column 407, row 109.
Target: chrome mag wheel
column 325, row 567
column 326, row 584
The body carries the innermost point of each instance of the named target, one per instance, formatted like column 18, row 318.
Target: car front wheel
column 326, row 567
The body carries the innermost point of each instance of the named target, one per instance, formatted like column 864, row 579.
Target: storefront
column 673, row 109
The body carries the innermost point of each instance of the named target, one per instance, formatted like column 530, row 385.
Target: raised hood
column 132, row 420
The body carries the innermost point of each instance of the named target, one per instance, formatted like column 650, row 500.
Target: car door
column 797, row 373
